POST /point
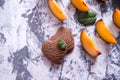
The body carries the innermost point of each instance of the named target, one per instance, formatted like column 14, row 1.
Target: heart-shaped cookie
column 52, row 50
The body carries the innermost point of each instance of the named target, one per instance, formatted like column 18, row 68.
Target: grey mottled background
column 26, row 24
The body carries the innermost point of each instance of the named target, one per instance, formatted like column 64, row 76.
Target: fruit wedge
column 56, row 10
column 104, row 32
column 80, row 5
column 88, row 44
column 116, row 17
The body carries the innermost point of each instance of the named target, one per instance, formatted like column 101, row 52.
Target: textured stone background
column 26, row 24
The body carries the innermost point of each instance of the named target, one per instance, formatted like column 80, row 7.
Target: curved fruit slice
column 116, row 17
column 104, row 32
column 56, row 10
column 80, row 5
column 88, row 44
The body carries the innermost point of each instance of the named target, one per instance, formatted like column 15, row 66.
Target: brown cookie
column 51, row 48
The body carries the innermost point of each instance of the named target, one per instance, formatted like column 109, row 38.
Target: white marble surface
column 26, row 24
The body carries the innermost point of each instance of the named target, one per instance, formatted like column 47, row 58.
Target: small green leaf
column 87, row 15
column 60, row 41
column 61, row 44
column 87, row 18
column 87, row 21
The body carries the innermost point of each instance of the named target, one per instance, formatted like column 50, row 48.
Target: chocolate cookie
column 52, row 50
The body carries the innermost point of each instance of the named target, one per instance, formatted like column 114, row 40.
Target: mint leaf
column 61, row 44
column 87, row 18
column 87, row 21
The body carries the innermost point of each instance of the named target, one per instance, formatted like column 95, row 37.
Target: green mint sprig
column 87, row 18
column 61, row 44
